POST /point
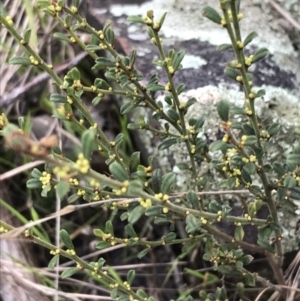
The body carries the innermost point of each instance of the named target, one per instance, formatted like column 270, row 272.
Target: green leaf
column 202, row 294
column 192, row 223
column 293, row 159
column 170, row 237
column 237, row 110
column 87, row 141
column 134, row 161
column 190, row 102
column 173, row 114
column 62, row 188
column 266, row 245
column 231, row 72
column 240, row 287
column 249, row 279
column 218, row 145
column 96, row 100
column 223, row 110
column 226, row 209
column 143, row 253
column 119, row 139
column 104, row 62
column 36, row 173
column 101, row 263
column 294, row 193
column 58, row 98
column 109, row 228
column 156, row 180
column 106, row 25
column 154, row 210
column 40, row 4
column 246, row 177
column 167, row 143
column 223, row 47
column 239, row 233
column 45, row 190
column 248, row 129
column 19, row 60
column 110, row 36
column 117, row 170
column 66, row 239
column 73, row 198
column 114, row 293
column 255, row 190
column 53, row 261
column 162, row 19
column 211, row 14
column 260, row 54
column 103, row 245
column 182, row 166
column 273, row 128
column 74, row 74
column 60, row 36
column 250, row 38
column 69, row 272
column 178, row 59
column 155, row 87
column 250, row 168
column 180, row 89
column 101, row 84
column 136, row 214
column 251, row 140
column 289, row 182
column 135, row 187
column 136, row 19
column 225, row 269
column 142, row 294
column 130, row 276
column 130, row 231
column 27, row 35
column 33, row 183
column 214, row 207
column 92, row 47
column 167, row 182
column 133, row 126
column 127, row 107
column 193, row 199
column 200, row 123
column 260, row 93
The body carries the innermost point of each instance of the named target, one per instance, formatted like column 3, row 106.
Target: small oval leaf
column 66, row 239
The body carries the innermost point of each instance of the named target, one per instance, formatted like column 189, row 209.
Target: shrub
column 238, row 157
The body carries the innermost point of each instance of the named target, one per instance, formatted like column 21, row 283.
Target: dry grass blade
column 20, row 169
column 48, row 291
column 292, row 277
column 10, row 98
column 19, row 230
column 16, row 10
column 284, row 13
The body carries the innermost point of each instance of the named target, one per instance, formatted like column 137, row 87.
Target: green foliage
column 143, row 191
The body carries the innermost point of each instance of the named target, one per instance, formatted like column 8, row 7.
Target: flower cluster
column 3, row 121
column 82, row 164
column 146, row 203
column 61, row 171
column 45, row 179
